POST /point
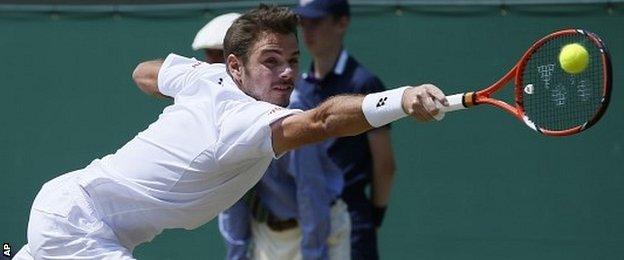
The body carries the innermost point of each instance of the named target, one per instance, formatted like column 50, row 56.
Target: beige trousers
column 286, row 245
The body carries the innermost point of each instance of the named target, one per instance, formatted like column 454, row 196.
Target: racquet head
column 555, row 102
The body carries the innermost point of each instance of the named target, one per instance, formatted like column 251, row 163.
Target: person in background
column 278, row 218
column 365, row 160
column 283, row 219
column 297, row 211
column 210, row 37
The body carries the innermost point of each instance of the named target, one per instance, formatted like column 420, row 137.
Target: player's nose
column 288, row 73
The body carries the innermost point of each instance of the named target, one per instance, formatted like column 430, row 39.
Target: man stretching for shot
column 207, row 149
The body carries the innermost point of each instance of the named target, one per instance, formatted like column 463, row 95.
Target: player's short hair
column 246, row 30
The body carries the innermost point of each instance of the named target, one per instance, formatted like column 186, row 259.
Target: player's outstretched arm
column 145, row 75
column 348, row 115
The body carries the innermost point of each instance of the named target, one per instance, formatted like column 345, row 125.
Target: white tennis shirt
column 201, row 155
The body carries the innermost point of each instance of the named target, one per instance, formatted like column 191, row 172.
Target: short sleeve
column 174, row 74
column 246, row 132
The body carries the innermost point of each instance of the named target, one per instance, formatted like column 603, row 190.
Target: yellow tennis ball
column 573, row 58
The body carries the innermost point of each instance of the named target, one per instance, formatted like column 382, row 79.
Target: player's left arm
column 167, row 78
column 145, row 76
column 380, row 145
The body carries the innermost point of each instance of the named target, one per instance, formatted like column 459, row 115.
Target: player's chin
column 281, row 98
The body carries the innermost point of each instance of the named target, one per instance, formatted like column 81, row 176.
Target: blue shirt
column 351, row 154
column 288, row 195
column 303, row 183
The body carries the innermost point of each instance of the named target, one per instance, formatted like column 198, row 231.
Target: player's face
column 272, row 68
column 323, row 34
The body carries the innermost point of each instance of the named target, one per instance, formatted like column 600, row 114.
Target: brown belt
column 281, row 225
column 278, row 225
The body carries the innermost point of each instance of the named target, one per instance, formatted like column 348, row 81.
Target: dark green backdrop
column 67, row 98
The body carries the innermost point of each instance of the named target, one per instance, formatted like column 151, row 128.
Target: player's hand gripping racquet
column 549, row 99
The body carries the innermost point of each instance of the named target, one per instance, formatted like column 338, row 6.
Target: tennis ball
column 573, row 58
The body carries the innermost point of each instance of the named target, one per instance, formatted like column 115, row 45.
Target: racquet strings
column 559, row 100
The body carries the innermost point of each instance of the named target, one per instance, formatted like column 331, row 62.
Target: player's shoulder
column 212, row 83
column 214, row 72
column 190, row 64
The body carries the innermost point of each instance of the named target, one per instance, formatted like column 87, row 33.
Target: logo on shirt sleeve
column 197, row 64
column 274, row 110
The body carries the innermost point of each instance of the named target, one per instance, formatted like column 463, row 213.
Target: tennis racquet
column 548, row 99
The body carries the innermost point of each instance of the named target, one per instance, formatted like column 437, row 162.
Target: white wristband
column 382, row 108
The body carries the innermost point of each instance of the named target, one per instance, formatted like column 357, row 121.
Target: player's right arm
column 344, row 116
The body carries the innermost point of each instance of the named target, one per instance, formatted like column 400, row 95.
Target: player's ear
column 235, row 67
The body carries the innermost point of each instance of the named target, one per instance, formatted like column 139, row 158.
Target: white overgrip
column 455, row 103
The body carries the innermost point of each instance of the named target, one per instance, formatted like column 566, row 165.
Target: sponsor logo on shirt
column 274, row 110
column 197, row 64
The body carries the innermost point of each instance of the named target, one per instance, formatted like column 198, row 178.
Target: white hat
column 212, row 34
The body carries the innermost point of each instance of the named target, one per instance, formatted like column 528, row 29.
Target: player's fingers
column 424, row 107
column 440, row 115
column 414, row 107
column 437, row 93
column 419, row 115
column 429, row 105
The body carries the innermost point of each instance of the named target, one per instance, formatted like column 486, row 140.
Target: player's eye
column 270, row 62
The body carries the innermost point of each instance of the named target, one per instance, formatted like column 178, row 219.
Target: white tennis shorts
column 63, row 225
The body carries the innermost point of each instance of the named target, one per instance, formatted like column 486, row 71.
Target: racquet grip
column 456, row 102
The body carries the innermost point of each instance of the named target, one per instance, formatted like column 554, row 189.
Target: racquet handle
column 456, row 102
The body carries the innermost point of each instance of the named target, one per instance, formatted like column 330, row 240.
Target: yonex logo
column 382, row 101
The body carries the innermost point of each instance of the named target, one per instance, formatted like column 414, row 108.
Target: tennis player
column 206, row 150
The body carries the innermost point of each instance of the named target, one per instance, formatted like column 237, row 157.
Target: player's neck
column 324, row 62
